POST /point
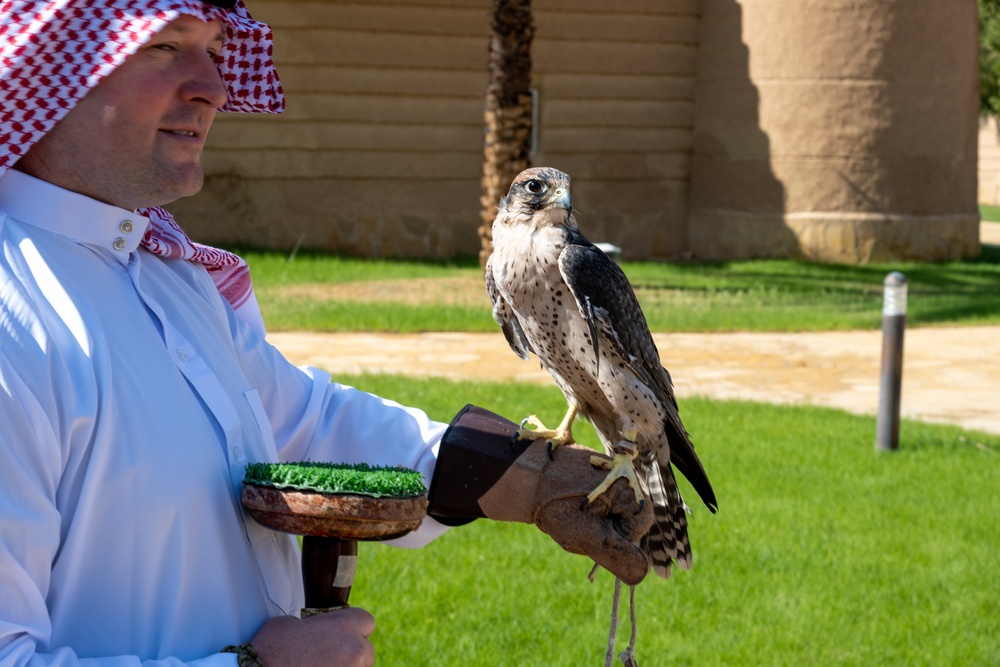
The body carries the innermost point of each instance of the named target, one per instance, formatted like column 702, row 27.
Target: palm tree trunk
column 507, row 108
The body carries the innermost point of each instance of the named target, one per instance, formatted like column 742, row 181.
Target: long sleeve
column 314, row 418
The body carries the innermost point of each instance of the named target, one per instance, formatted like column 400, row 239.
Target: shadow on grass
column 951, row 291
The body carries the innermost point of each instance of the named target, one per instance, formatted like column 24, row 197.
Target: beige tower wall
column 380, row 150
column 838, row 130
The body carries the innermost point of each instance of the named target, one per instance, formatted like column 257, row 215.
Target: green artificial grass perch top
column 359, row 478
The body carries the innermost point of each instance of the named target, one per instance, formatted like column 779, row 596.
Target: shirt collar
column 79, row 218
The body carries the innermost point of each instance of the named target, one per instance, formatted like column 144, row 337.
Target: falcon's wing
column 606, row 299
column 506, row 318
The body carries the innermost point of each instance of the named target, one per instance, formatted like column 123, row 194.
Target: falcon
column 558, row 296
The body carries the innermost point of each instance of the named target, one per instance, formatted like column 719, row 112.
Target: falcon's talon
column 602, row 462
column 619, row 466
column 553, row 438
column 557, row 437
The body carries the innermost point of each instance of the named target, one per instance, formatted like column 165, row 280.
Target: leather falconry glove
column 483, row 471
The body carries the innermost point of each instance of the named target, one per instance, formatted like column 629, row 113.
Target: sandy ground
column 949, row 374
column 989, row 233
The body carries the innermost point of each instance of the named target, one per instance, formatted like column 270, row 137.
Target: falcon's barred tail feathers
column 668, row 538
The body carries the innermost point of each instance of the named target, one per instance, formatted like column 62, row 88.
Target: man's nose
column 204, row 82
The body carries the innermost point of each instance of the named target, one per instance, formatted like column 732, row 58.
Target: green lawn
column 824, row 552
column 762, row 295
column 989, row 213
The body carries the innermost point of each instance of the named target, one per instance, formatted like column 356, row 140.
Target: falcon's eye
column 535, row 187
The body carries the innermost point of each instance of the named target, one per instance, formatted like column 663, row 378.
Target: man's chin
column 184, row 183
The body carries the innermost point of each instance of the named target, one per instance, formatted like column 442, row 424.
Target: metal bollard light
column 891, row 380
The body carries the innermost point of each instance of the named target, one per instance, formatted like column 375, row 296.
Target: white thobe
column 131, row 400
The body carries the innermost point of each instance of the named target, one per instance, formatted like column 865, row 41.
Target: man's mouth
column 183, row 133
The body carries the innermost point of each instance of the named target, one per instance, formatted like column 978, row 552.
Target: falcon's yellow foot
column 557, row 437
column 619, row 466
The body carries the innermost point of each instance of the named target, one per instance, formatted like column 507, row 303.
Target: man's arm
column 315, row 419
column 318, row 420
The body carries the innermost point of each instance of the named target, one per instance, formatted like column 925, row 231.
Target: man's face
column 136, row 139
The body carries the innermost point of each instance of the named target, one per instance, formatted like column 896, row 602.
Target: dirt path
column 949, row 375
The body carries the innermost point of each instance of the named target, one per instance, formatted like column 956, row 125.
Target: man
column 135, row 382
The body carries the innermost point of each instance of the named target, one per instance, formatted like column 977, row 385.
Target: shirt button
column 182, row 355
column 126, row 226
column 236, row 453
column 119, row 243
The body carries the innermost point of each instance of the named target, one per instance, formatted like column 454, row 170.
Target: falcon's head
column 539, row 189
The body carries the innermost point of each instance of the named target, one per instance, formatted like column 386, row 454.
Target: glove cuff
column 478, row 447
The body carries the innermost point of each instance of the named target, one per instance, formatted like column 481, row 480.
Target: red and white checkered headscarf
column 52, row 52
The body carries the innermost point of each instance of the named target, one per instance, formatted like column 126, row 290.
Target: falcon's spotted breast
column 558, row 296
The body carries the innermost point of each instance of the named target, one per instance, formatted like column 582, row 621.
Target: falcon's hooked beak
column 561, row 198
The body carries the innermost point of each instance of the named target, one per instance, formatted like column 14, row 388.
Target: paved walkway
column 949, row 374
column 989, row 233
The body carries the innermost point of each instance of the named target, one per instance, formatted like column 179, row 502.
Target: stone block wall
column 380, row 150
column 616, row 87
column 837, row 130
